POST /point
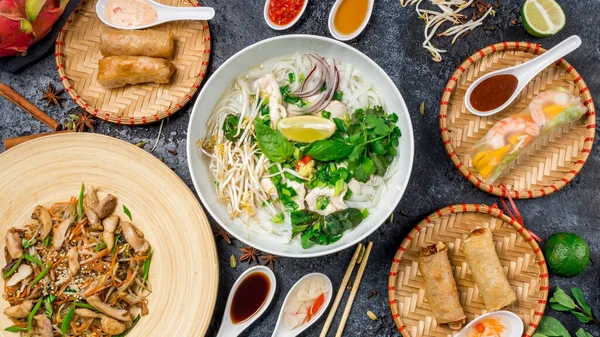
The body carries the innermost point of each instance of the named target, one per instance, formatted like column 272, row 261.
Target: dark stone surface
column 393, row 39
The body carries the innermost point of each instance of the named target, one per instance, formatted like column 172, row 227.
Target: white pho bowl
column 253, row 56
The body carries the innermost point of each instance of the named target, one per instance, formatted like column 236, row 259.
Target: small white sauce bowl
column 339, row 36
column 284, row 27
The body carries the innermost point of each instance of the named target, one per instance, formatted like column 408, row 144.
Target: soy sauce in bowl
column 249, row 297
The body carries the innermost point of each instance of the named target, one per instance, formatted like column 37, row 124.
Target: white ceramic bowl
column 254, row 55
column 283, row 27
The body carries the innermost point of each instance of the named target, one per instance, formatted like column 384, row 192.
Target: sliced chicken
column 93, row 219
column 336, row 203
column 134, row 237
column 337, row 109
column 106, row 206
column 60, row 233
column 21, row 310
column 42, row 215
column 22, row 273
column 268, row 186
column 110, row 225
column 44, row 326
column 121, row 315
column 111, row 326
column 90, row 200
column 269, row 88
column 73, row 259
column 14, row 244
column 87, row 313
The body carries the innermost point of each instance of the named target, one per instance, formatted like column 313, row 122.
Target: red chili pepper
column 303, row 161
column 317, row 305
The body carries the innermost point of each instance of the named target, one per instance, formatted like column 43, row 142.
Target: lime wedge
column 306, row 129
column 542, row 18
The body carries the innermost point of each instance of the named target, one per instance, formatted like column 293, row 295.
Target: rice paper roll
column 440, row 287
column 118, row 71
column 487, row 270
column 151, row 43
column 509, row 137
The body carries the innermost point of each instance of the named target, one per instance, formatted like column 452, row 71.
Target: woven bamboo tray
column 78, row 53
column 554, row 161
column 184, row 273
column 518, row 252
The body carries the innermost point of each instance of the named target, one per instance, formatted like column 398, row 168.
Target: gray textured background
column 392, row 38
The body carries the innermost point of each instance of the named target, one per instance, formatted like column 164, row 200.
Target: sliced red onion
column 331, row 78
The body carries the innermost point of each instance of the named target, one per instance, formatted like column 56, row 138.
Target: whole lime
column 567, row 254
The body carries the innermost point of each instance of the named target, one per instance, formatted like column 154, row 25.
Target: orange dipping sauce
column 489, row 327
column 350, row 15
column 282, row 12
column 492, row 92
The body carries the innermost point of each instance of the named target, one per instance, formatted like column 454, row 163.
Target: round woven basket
column 78, row 53
column 184, row 273
column 551, row 163
column 519, row 254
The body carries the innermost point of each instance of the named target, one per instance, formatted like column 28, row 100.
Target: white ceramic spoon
column 283, row 27
column 512, row 323
column 230, row 329
column 164, row 13
column 347, row 37
column 280, row 330
column 524, row 73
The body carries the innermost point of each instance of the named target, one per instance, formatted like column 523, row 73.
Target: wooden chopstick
column 340, row 293
column 357, row 279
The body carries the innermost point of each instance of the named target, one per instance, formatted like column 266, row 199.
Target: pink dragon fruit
column 24, row 22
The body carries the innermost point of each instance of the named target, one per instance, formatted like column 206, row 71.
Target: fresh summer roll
column 506, row 140
column 118, row 71
column 150, row 43
column 486, row 269
column 440, row 287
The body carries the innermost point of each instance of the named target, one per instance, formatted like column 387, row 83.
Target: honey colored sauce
column 249, row 297
column 350, row 15
column 492, row 92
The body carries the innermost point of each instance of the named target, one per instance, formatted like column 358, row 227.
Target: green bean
column 31, row 314
column 65, row 324
column 41, row 275
column 13, row 269
column 147, row 266
column 33, row 259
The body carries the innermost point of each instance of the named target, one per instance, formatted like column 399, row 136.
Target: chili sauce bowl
column 275, row 26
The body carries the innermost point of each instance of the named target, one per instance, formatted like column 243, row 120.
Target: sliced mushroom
column 106, row 206
column 14, row 244
column 42, row 215
column 21, row 310
column 134, row 302
column 93, row 219
column 73, row 258
column 90, row 200
column 121, row 315
column 60, row 233
column 111, row 326
column 134, row 237
column 22, row 273
column 44, row 326
column 110, row 225
column 87, row 313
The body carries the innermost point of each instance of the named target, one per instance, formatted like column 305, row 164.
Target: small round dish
column 347, row 37
column 282, row 27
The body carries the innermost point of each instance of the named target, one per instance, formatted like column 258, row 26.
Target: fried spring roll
column 149, row 43
column 117, row 71
column 440, row 287
column 486, row 269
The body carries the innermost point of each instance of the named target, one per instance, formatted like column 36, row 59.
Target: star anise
column 220, row 233
column 250, row 254
column 52, row 95
column 269, row 259
column 84, row 121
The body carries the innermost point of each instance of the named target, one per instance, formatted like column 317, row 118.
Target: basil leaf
column 558, row 307
column 580, row 298
column 272, row 143
column 365, row 170
column 537, row 334
column 583, row 318
column 303, row 217
column 340, row 221
column 328, row 150
column 563, row 299
column 583, row 333
column 551, row 327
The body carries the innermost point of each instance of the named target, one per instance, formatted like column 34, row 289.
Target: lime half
column 542, row 18
column 306, row 129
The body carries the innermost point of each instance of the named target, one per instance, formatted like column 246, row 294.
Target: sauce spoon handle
column 560, row 50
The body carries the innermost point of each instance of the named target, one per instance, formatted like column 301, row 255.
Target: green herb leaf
column 365, row 170
column 291, row 77
column 563, row 299
column 580, row 298
column 33, row 259
column 25, row 243
column 328, row 150
column 67, row 321
column 15, row 329
column 135, row 322
column 551, row 327
column 48, row 303
column 339, row 221
column 278, row 219
column 31, row 314
column 285, row 90
column 127, row 212
column 13, row 269
column 294, row 100
column 582, row 333
column 537, row 334
column 583, row 318
column 337, row 96
column 80, row 203
column 147, row 266
column 339, row 187
column 340, row 125
column 272, row 143
column 100, row 246
column 230, row 127
column 322, row 202
column 558, row 307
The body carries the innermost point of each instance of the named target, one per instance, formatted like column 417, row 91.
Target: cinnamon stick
column 12, row 142
column 20, row 101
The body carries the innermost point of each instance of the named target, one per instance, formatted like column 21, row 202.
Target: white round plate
column 255, row 55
